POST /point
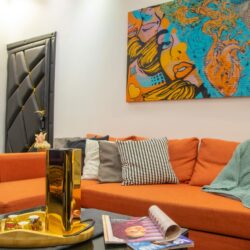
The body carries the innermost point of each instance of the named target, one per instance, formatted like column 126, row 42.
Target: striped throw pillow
column 146, row 162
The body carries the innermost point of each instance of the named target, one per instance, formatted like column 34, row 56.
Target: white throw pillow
column 92, row 160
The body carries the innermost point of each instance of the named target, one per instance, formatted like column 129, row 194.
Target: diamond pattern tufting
column 30, row 88
column 34, row 55
column 25, row 89
column 21, row 67
column 12, row 76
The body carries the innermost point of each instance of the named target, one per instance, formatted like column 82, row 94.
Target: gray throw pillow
column 146, row 162
column 110, row 169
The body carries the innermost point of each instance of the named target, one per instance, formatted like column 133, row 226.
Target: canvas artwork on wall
column 189, row 49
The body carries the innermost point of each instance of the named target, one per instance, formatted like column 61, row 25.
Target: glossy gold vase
column 63, row 192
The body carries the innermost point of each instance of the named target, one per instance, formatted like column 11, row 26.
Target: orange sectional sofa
column 22, row 181
column 215, row 222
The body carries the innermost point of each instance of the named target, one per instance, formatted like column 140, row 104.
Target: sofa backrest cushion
column 131, row 137
column 21, row 166
column 213, row 155
column 182, row 155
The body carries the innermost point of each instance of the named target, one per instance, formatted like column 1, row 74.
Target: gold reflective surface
column 63, row 192
column 26, row 238
column 61, row 222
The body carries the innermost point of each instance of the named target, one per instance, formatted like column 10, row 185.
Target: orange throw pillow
column 182, row 155
column 93, row 136
column 132, row 138
column 213, row 155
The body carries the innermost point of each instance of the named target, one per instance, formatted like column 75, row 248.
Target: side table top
column 95, row 243
column 97, row 240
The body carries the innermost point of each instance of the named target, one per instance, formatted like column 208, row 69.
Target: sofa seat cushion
column 188, row 205
column 207, row 241
column 87, row 183
column 22, row 194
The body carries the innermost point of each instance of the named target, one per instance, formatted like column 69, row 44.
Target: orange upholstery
column 214, row 222
column 208, row 241
column 20, row 166
column 213, row 155
column 86, row 183
column 90, row 135
column 131, row 137
column 188, row 205
column 22, row 194
column 182, row 155
column 139, row 138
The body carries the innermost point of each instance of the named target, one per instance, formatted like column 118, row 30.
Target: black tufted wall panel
column 30, row 92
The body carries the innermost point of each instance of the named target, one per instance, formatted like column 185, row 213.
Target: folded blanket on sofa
column 234, row 180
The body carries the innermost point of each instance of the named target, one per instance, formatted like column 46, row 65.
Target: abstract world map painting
column 189, row 49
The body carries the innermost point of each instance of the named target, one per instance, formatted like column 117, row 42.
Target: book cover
column 180, row 242
column 136, row 229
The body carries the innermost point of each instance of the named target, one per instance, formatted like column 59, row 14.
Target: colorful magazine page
column 168, row 227
column 156, row 227
column 181, row 242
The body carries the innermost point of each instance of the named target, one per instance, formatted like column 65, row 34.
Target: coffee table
column 97, row 241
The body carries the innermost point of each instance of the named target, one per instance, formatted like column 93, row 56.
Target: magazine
column 157, row 227
column 180, row 242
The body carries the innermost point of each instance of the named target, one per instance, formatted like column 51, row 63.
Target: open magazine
column 157, row 227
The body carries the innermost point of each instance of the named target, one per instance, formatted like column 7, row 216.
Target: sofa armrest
column 21, row 166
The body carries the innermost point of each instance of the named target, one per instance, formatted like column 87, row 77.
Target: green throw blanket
column 234, row 179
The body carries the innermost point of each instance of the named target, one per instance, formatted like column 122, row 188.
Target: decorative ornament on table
column 41, row 144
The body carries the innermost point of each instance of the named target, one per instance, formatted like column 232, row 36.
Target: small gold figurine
column 41, row 144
